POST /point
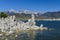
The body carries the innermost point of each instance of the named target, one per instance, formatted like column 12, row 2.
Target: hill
column 27, row 14
column 52, row 14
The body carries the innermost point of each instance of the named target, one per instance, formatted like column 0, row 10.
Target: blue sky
column 33, row 5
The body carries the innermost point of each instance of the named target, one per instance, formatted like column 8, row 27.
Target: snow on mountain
column 12, row 11
column 27, row 12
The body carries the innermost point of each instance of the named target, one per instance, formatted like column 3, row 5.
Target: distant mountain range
column 27, row 14
column 52, row 14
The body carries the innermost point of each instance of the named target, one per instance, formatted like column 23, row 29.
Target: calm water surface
column 53, row 34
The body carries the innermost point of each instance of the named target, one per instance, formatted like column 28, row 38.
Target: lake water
column 53, row 34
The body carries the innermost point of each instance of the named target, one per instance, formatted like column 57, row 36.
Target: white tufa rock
column 10, row 24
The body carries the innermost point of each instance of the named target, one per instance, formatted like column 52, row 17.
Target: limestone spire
column 33, row 18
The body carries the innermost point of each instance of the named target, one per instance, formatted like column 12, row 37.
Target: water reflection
column 39, row 35
column 31, row 34
column 26, row 35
